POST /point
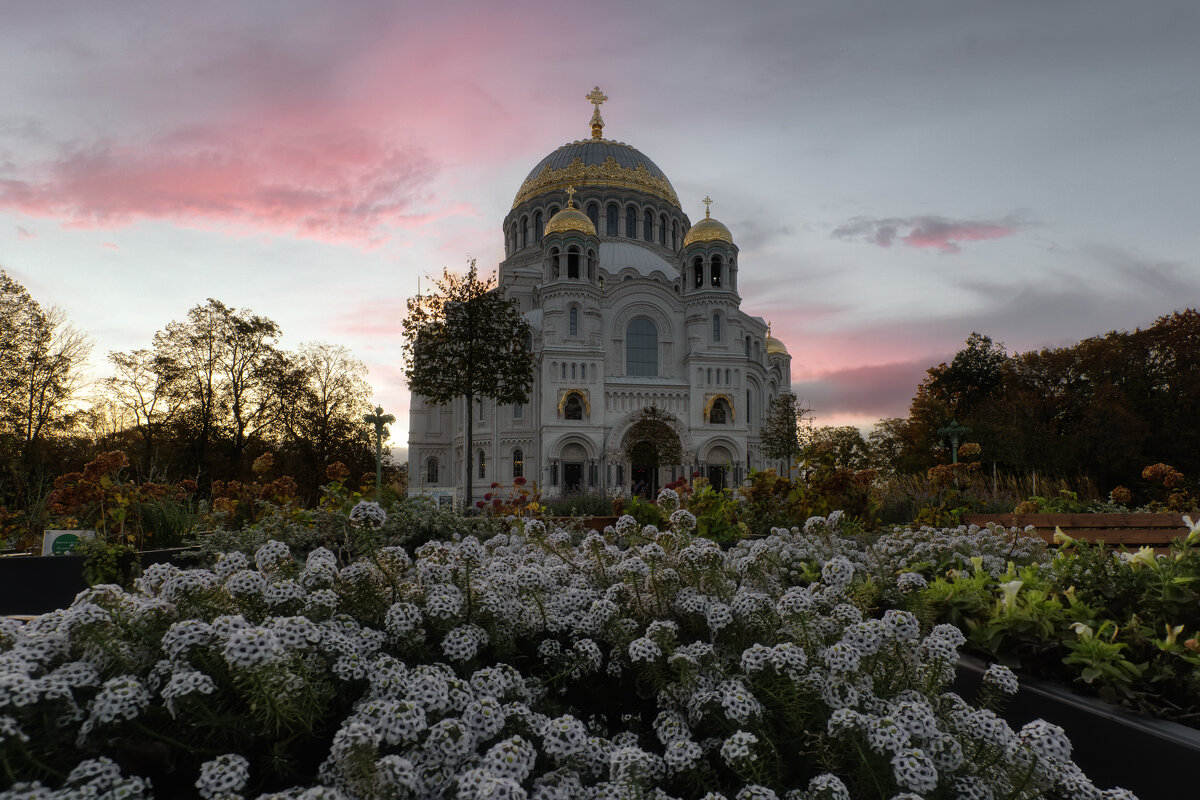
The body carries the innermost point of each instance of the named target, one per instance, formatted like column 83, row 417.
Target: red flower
column 518, row 481
column 487, row 496
column 495, row 486
column 479, row 504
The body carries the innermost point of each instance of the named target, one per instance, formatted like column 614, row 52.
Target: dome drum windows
column 573, row 263
column 648, row 226
column 573, row 321
column 610, row 227
column 716, row 328
column 715, row 272
column 537, row 226
column 630, row 222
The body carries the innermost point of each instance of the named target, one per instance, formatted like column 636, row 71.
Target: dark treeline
column 205, row 398
column 1104, row 408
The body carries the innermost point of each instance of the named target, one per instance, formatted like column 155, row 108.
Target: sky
column 896, row 175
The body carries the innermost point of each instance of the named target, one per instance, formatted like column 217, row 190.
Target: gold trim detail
column 610, row 173
column 583, row 395
column 707, row 230
column 712, row 399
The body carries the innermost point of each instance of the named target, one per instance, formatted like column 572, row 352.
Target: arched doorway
column 573, row 458
column 643, row 469
column 717, row 470
column 650, row 444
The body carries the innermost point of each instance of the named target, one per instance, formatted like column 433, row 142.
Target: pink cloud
column 339, row 185
column 109, row 245
column 925, row 231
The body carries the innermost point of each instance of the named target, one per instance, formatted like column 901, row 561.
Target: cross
column 596, row 97
column 571, row 196
column 707, row 202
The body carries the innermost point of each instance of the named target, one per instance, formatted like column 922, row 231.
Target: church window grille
column 593, row 212
column 641, row 348
column 518, row 464
column 573, row 408
column 611, row 220
column 537, row 226
column 698, row 269
column 482, row 464
column 662, row 230
column 648, row 227
column 573, row 263
column 431, row 471
column 716, row 327
column 630, row 222
column 716, row 271
column 573, row 323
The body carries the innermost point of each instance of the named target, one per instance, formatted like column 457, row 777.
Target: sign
column 57, row 543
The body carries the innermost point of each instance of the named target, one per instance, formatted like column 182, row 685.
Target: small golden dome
column 707, row 229
column 570, row 219
column 775, row 346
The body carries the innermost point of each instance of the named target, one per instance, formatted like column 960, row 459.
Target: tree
column 146, row 386
column 843, row 447
column 41, row 356
column 780, row 430
column 467, row 340
column 653, row 435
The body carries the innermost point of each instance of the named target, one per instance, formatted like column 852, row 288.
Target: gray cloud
column 941, row 233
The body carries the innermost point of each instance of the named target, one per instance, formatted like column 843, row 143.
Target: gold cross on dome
column 707, row 202
column 596, row 97
column 571, row 196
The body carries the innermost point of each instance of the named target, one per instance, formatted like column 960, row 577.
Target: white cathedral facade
column 631, row 306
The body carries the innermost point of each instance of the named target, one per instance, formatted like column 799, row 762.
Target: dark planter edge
column 1163, row 729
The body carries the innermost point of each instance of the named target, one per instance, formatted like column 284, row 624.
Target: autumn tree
column 466, row 340
column 145, row 385
column 842, row 446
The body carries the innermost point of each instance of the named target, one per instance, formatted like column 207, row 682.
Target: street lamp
column 955, row 433
column 379, row 419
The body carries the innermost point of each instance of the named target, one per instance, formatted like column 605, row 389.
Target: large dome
column 596, row 162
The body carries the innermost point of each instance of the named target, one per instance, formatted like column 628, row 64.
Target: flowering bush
column 642, row 662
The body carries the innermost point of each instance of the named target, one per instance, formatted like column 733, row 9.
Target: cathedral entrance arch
column 573, row 458
column 650, row 444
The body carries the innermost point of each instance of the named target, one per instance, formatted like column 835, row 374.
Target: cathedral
column 632, row 307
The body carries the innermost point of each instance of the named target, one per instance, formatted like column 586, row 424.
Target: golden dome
column 707, row 229
column 775, row 346
column 570, row 219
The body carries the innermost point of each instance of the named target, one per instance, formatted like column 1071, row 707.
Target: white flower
column 184, row 683
column 1002, row 679
column 738, row 749
column 827, row 787
column 223, row 776
column 252, row 647
column 913, row 770
column 564, row 737
column 368, row 514
column 511, row 758
column 271, row 555
column 644, row 649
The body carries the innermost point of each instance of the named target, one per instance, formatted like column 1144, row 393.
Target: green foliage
column 579, row 504
column 467, row 340
column 781, row 427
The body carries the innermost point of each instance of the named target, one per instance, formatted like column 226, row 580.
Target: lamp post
column 955, row 433
column 379, row 419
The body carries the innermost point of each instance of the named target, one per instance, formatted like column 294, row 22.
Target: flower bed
column 630, row 663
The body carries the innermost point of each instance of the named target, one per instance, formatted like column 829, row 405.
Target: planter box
column 38, row 584
column 1114, row 747
column 1132, row 530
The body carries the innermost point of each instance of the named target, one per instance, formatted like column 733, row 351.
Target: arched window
column 716, row 325
column 573, row 262
column 593, row 213
column 630, row 222
column 716, row 271
column 726, row 377
column 747, row 347
column 674, row 235
column 537, row 226
column 573, row 324
column 554, row 266
column 553, row 211
column 719, row 414
column 591, row 259
column 641, row 348
column 583, row 372
column 698, row 268
column 756, row 352
column 572, row 370
column 513, row 235
column 662, row 230
column 564, row 371
column 524, row 231
column 518, row 464
column 708, row 378
column 573, row 408
column 611, row 226
column 482, row 464
column 648, row 226
column 518, row 410
column 431, row 471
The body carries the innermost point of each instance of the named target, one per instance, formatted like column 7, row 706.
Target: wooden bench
column 1130, row 530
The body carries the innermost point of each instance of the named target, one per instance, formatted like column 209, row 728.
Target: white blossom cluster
column 535, row 664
